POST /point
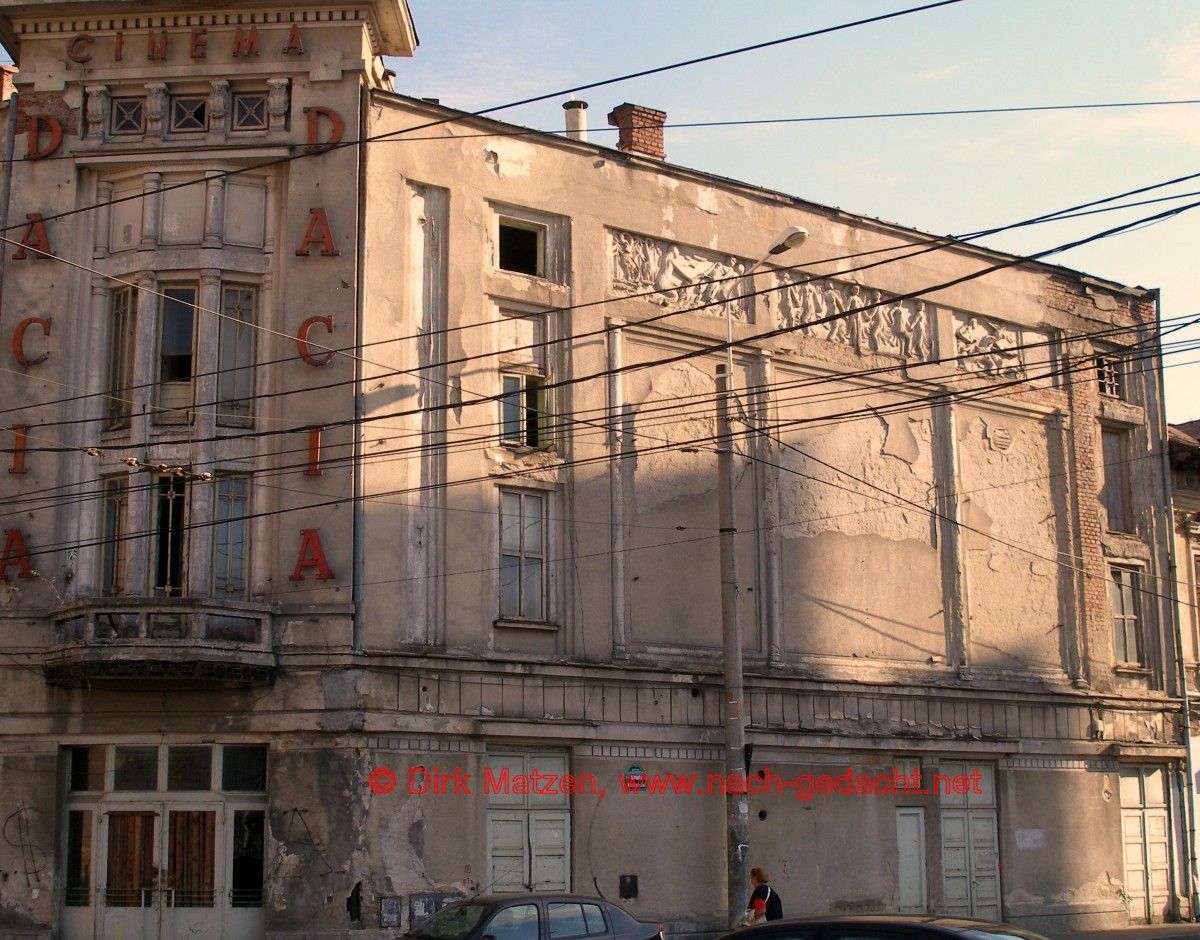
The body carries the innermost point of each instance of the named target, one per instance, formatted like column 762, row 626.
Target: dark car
column 534, row 917
column 881, row 927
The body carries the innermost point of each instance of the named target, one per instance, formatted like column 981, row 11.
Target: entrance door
column 160, row 874
column 128, row 908
column 970, row 852
column 1145, row 843
column 528, row 834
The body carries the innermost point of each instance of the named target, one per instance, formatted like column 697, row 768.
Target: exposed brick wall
column 639, row 129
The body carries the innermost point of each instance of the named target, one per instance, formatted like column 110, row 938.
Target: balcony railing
column 162, row 638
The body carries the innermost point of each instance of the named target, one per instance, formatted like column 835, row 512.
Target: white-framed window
column 524, row 400
column 530, row 243
column 121, row 326
column 1115, row 490
column 524, row 538
column 235, row 356
column 230, row 549
column 1124, row 598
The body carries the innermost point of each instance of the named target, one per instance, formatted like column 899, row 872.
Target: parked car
column 881, row 927
column 534, row 917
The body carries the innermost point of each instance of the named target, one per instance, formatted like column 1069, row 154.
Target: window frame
column 1112, row 374
column 532, row 398
column 542, row 232
column 114, row 489
column 122, row 337
column 115, row 104
column 172, row 118
column 1116, row 486
column 167, row 414
column 224, row 416
column 1122, row 622
column 545, row 612
column 169, row 590
column 235, row 100
column 219, row 524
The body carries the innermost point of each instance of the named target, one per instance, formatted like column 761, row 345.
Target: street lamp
column 737, row 829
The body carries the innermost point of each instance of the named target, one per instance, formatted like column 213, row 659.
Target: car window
column 571, row 919
column 867, row 932
column 594, row 918
column 450, row 923
column 519, row 922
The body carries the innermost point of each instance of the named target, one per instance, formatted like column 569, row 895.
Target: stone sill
column 505, row 624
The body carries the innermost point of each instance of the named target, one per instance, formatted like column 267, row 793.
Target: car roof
column 534, row 896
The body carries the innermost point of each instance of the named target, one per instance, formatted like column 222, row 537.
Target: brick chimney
column 640, row 129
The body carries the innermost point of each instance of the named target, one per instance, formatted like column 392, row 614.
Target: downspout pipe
column 1188, row 771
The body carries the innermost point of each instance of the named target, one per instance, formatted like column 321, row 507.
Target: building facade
column 352, row 438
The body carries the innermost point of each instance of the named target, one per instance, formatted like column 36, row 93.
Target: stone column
column 151, row 211
column 214, row 209
column 100, row 244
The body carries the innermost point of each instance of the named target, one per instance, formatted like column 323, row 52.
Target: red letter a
column 14, row 554
column 311, row 556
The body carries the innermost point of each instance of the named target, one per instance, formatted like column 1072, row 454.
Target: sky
column 937, row 174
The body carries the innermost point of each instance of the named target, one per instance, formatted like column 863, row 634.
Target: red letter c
column 18, row 341
column 302, row 340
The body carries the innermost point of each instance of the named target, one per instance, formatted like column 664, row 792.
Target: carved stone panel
column 872, row 323
column 1000, row 350
column 681, row 277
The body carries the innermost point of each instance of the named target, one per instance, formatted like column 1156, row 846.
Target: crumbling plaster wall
column 1011, row 507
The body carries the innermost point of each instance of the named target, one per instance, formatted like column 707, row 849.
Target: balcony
column 197, row 639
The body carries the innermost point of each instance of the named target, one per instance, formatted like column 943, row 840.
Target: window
column 127, row 117
column 189, row 114
column 522, row 247
column 120, row 357
column 522, row 411
column 135, row 768
column 189, row 768
column 167, row 563
column 244, row 768
column 114, row 499
column 87, row 768
column 247, row 859
column 1124, row 587
column 78, row 892
column 522, row 555
column 250, row 112
column 524, row 402
column 175, row 345
column 229, row 537
column 1110, row 374
column 235, row 356
column 1115, row 491
column 519, row 922
column 574, row 920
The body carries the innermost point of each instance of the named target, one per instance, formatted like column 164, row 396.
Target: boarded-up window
column 190, row 858
column 130, row 860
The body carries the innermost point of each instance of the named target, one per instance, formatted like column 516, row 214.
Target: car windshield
column 450, row 923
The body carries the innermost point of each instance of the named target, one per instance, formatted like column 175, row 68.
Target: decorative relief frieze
column 683, row 277
column 999, row 350
column 867, row 319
